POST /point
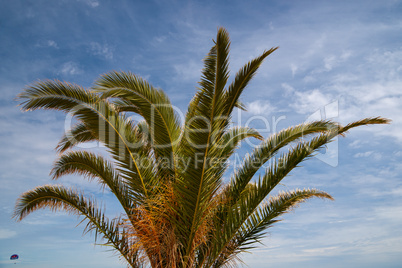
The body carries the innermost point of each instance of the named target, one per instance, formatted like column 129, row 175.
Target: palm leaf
column 57, row 197
column 78, row 134
column 199, row 184
column 94, row 167
column 152, row 104
column 246, row 203
column 230, row 141
column 267, row 149
column 242, row 79
column 101, row 119
column 56, row 95
column 264, row 217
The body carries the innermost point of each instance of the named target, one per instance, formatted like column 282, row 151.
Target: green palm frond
column 365, row 122
column 79, row 133
column 279, row 168
column 230, row 141
column 215, row 73
column 118, row 134
column 152, row 104
column 247, row 202
column 94, row 167
column 252, row 230
column 56, row 95
column 267, row 214
column 267, row 149
column 57, row 197
column 242, row 78
column 200, row 183
column 107, row 126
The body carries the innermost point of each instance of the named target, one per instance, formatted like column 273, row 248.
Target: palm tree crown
column 168, row 175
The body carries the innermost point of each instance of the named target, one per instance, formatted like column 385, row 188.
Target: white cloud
column 91, row 3
column 47, row 43
column 309, row 79
column 52, row 43
column 329, row 62
column 288, row 89
column 365, row 154
column 5, row 233
column 320, row 251
column 187, row 71
column 310, row 101
column 365, row 87
column 260, row 107
column 293, row 68
column 356, row 144
column 317, row 45
column 159, row 39
column 392, row 214
column 101, row 50
column 70, row 68
column 365, row 232
column 333, row 61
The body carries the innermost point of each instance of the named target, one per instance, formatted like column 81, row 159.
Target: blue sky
column 341, row 57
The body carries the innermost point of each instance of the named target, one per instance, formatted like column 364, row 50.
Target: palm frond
column 256, row 225
column 242, row 79
column 263, row 218
column 94, row 167
column 101, row 119
column 267, row 149
column 199, row 182
column 56, row 197
column 152, row 104
column 56, row 95
column 230, row 141
column 243, row 206
column 79, row 133
column 365, row 122
column 279, row 168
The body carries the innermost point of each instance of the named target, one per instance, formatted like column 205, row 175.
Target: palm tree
column 168, row 175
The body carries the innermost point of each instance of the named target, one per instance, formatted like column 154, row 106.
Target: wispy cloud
column 260, row 107
column 91, row 3
column 5, row 233
column 70, row 68
column 187, row 71
column 328, row 251
column 102, row 50
column 373, row 154
column 48, row 43
column 310, row 101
